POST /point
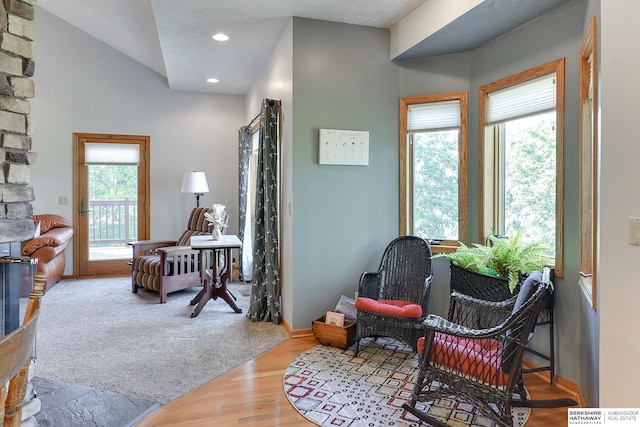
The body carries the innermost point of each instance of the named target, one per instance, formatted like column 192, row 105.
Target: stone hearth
column 73, row 405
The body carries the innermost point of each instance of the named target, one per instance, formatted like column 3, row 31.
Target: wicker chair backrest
column 405, row 266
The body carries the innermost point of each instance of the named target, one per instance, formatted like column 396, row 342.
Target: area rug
column 331, row 387
column 99, row 334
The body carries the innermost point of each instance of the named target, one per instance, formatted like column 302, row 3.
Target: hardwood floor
column 252, row 395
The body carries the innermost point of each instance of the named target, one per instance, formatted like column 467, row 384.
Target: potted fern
column 493, row 271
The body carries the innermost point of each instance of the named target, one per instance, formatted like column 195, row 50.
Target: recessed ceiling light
column 220, row 37
column 212, row 80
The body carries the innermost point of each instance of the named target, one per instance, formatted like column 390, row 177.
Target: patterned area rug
column 330, row 387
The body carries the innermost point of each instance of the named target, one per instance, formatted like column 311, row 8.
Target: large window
column 521, row 154
column 433, row 156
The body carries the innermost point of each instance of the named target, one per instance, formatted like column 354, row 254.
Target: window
column 433, row 170
column 521, row 155
column 588, row 164
column 247, row 244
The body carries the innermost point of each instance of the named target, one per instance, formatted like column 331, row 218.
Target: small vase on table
column 216, row 233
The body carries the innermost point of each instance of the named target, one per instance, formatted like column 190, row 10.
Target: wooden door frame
column 143, row 190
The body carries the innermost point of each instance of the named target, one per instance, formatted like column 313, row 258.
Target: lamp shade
column 194, row 182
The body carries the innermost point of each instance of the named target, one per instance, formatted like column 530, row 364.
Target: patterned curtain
column 265, row 288
column 244, row 153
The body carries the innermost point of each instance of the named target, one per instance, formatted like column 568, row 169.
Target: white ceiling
column 173, row 37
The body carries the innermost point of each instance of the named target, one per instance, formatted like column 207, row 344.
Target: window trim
column 486, row 215
column 588, row 237
column 406, row 170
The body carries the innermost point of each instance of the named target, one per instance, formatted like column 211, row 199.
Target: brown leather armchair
column 48, row 247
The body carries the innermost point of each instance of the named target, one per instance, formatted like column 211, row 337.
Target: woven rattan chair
column 481, row 364
column 492, row 288
column 15, row 358
column 167, row 266
column 393, row 301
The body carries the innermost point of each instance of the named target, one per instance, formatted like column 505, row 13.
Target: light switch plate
column 634, row 231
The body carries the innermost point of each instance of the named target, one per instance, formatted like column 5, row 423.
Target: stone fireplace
column 16, row 89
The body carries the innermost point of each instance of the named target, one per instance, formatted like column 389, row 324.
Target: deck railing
column 112, row 222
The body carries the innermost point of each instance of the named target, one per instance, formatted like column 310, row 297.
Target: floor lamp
column 195, row 182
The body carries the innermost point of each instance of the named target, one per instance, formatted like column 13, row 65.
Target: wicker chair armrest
column 436, row 323
column 481, row 304
column 369, row 286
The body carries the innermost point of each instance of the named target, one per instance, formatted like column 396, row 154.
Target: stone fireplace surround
column 16, row 127
column 16, row 88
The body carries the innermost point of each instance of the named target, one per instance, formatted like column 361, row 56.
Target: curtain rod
column 270, row 101
column 253, row 120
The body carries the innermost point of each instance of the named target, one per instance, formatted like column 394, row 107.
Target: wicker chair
column 477, row 354
column 169, row 265
column 393, row 301
column 492, row 288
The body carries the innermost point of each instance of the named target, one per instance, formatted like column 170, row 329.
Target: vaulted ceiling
column 173, row 38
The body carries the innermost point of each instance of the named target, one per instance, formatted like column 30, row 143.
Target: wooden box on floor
column 335, row 336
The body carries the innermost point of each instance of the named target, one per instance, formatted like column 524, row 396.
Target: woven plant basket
column 478, row 285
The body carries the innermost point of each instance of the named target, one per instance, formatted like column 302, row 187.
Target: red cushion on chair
column 390, row 307
column 480, row 358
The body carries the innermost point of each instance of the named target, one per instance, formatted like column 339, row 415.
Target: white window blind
column 111, row 154
column 531, row 97
column 433, row 115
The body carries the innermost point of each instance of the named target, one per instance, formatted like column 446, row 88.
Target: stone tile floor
column 69, row 405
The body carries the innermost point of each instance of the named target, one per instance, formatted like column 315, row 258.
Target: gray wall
column 83, row 85
column 555, row 35
column 276, row 82
column 343, row 216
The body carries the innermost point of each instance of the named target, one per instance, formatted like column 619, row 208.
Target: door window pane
column 113, row 216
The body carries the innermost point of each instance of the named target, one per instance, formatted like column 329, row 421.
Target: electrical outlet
column 63, row 200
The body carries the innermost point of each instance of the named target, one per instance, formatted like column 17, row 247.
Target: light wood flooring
column 252, row 395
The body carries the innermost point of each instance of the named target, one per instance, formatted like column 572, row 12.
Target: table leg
column 202, row 298
column 215, row 285
column 221, row 283
column 198, row 297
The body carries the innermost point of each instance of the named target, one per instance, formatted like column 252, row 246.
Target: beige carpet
column 98, row 334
